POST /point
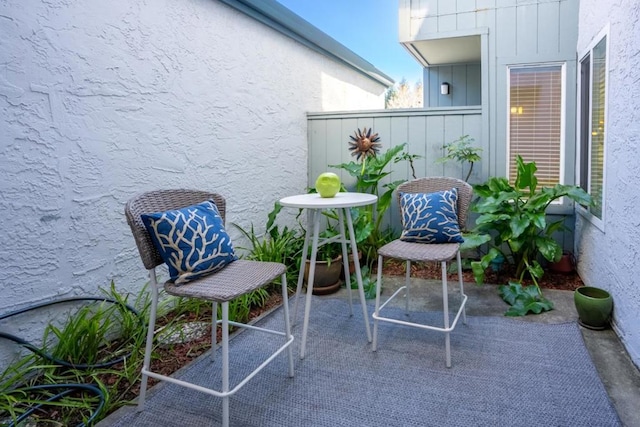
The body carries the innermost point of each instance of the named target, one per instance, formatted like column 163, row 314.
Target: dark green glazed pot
column 594, row 306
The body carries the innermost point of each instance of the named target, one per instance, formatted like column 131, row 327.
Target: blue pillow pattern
column 430, row 217
column 192, row 241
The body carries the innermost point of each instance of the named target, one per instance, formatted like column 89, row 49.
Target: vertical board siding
column 465, row 85
column 424, row 132
column 548, row 29
column 446, row 7
column 474, row 84
column 459, row 87
column 505, row 32
column 527, row 29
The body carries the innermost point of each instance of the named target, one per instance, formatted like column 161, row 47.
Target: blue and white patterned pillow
column 192, row 241
column 430, row 218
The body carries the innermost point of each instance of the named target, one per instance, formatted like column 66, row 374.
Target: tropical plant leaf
column 509, row 293
column 536, row 270
column 523, row 307
column 523, row 299
column 549, row 248
column 555, row 226
column 526, row 177
column 518, row 225
column 479, row 267
column 473, row 240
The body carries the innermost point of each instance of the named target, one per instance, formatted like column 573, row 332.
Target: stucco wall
column 608, row 258
column 101, row 100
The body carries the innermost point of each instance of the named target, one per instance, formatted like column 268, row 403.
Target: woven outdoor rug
column 504, row 372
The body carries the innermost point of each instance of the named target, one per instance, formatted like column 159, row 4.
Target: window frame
column 588, row 53
column 563, row 116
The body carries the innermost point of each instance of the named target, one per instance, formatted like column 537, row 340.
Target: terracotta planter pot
column 594, row 307
column 352, row 267
column 326, row 279
column 565, row 265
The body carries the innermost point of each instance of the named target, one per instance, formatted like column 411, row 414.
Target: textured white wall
column 609, row 259
column 101, row 100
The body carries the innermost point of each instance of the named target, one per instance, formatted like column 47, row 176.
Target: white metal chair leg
column 214, row 330
column 407, row 287
column 287, row 323
column 225, row 363
column 445, row 306
column 377, row 309
column 461, row 281
column 149, row 344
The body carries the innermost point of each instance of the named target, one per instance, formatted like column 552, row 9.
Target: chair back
column 432, row 184
column 160, row 201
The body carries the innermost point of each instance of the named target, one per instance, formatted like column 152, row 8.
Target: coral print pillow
column 192, row 241
column 430, row 218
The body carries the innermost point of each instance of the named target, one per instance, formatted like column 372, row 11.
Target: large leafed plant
column 513, row 220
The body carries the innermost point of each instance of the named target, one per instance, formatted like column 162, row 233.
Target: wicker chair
column 236, row 279
column 419, row 252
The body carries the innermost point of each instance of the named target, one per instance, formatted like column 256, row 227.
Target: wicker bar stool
column 420, row 252
column 233, row 280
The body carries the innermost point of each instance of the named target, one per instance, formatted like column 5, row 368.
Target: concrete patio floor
column 619, row 375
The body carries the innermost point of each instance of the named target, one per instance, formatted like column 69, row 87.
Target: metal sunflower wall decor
column 363, row 144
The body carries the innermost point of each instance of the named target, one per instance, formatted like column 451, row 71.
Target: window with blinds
column 536, row 120
column 593, row 76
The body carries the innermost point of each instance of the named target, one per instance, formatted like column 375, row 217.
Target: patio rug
column 505, row 372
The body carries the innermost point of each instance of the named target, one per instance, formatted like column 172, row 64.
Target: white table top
column 340, row 200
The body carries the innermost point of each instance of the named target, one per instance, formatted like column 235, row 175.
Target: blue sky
column 367, row 27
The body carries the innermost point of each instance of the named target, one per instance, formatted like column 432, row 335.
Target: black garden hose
column 67, row 388
column 49, row 357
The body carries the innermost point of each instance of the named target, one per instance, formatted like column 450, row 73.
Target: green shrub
column 512, row 219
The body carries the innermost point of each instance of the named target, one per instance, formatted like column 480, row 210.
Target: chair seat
column 234, row 280
column 411, row 251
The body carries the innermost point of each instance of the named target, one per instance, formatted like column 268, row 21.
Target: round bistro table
column 314, row 204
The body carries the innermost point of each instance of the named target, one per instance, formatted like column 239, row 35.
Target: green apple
column 328, row 184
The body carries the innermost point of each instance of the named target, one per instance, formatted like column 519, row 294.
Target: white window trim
column 599, row 223
column 563, row 117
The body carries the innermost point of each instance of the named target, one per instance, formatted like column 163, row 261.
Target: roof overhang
column 456, row 47
column 281, row 19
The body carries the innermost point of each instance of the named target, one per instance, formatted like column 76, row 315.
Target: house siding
column 464, row 81
column 513, row 33
column 608, row 256
column 102, row 100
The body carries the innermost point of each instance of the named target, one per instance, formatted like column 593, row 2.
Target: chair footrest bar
column 216, row 392
column 419, row 325
column 254, row 328
column 390, row 299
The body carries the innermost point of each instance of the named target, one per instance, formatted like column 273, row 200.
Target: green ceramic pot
column 594, row 306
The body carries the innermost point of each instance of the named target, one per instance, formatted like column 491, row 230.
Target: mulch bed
column 431, row 270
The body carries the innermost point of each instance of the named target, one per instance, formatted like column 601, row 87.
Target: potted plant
column 462, row 151
column 594, row 307
column 512, row 219
column 565, row 264
column 326, row 278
